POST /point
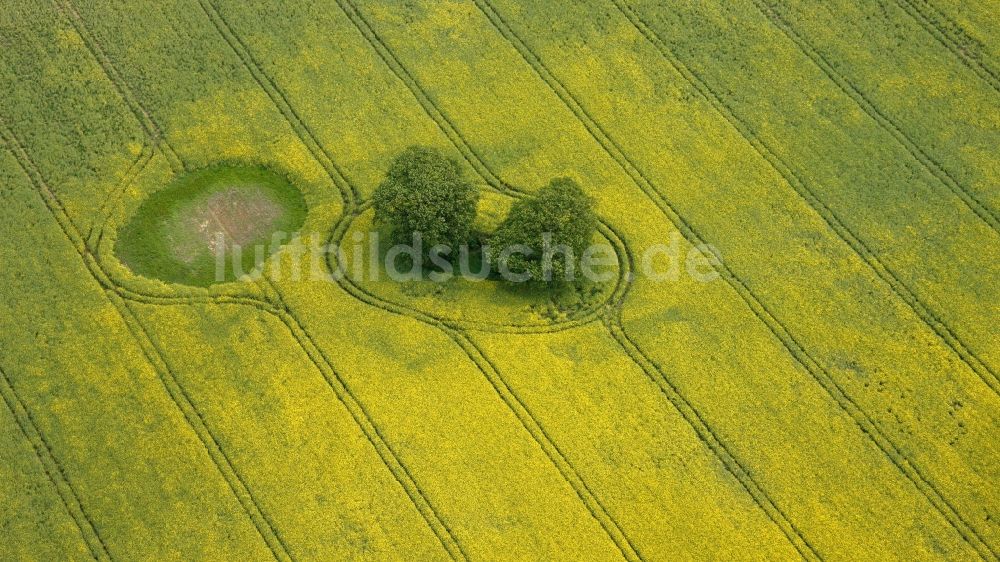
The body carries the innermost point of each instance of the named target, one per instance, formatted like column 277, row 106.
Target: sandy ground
column 236, row 215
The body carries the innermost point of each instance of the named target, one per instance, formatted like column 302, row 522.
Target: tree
column 543, row 237
column 424, row 192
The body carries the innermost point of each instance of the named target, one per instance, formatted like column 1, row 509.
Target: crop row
column 141, row 336
column 951, row 35
column 53, row 468
column 836, row 392
column 794, row 180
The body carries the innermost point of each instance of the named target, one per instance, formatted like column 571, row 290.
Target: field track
column 989, row 216
column 538, row 433
column 145, row 156
column 141, row 336
column 153, row 131
column 801, row 187
column 509, row 397
column 53, row 469
column 348, row 193
column 93, row 240
column 282, row 97
column 286, row 316
column 357, row 410
column 951, row 35
column 481, row 167
column 865, row 423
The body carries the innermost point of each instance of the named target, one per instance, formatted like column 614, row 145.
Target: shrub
column 550, row 230
column 424, row 192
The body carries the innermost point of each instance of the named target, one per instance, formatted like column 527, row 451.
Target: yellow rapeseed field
column 819, row 381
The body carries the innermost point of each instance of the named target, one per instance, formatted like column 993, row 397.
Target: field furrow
column 885, row 438
column 150, row 450
column 952, row 36
column 778, row 343
column 795, row 181
column 46, row 496
column 282, row 423
column 971, row 198
column 152, row 354
column 865, row 422
column 914, row 228
column 509, row 88
column 40, row 62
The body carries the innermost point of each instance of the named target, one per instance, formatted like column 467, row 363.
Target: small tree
column 424, row 192
column 544, row 236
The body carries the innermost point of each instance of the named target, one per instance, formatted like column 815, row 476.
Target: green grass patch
column 178, row 233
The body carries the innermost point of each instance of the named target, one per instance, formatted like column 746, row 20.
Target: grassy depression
column 179, row 233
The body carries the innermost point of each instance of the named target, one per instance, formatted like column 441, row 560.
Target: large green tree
column 425, row 192
column 543, row 236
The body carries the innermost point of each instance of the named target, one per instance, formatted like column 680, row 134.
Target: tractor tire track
column 355, row 408
column 372, row 433
column 357, row 411
column 157, row 357
column 317, row 357
column 134, row 171
column 376, row 437
column 348, row 189
column 322, row 364
column 189, row 410
column 454, row 330
column 149, row 126
column 312, row 351
column 339, row 274
column 349, row 193
column 453, row 134
column 518, row 408
column 832, row 220
column 343, row 393
column 952, row 37
column 861, row 418
column 545, row 442
column 981, row 210
column 493, row 179
column 54, row 471
column 767, row 504
column 657, row 375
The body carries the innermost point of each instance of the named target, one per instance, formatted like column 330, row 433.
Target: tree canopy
column 425, row 192
column 543, row 236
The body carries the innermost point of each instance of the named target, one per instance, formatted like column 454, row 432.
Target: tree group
column 542, row 237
